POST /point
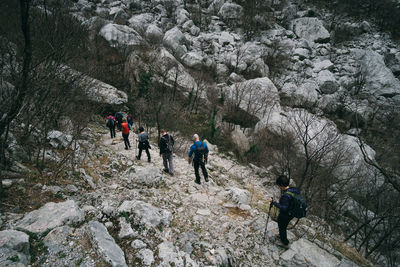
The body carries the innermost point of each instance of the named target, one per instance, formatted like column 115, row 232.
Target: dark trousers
column 201, row 164
column 126, row 140
column 112, row 131
column 283, row 222
column 147, row 152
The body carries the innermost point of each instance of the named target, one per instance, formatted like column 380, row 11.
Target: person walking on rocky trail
column 125, row 133
column 166, row 151
column 118, row 118
column 284, row 204
column 129, row 119
column 110, row 122
column 143, row 144
column 200, row 151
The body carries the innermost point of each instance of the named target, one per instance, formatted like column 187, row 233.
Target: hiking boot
column 197, row 182
column 281, row 244
column 166, row 171
column 148, row 160
column 172, row 174
column 206, row 179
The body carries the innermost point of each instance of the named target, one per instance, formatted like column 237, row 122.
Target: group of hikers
column 198, row 153
column 291, row 204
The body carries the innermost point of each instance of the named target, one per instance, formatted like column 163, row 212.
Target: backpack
column 110, row 122
column 298, row 205
column 170, row 145
column 200, row 152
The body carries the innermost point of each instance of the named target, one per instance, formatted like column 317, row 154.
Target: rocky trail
column 126, row 212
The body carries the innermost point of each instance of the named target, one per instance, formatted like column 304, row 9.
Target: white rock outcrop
column 310, row 29
column 50, row 216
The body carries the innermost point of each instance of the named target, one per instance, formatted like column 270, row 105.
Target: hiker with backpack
column 200, row 151
column 129, row 119
column 118, row 119
column 143, row 144
column 110, row 123
column 291, row 204
column 166, row 151
column 125, row 133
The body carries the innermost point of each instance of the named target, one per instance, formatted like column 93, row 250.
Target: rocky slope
column 124, row 212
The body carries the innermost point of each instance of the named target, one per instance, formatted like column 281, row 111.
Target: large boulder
column 14, row 245
column 256, row 96
column 154, row 34
column 310, row 29
column 50, row 216
column 121, row 37
column 240, row 140
column 327, row 82
column 304, row 253
column 59, row 139
column 146, row 213
column 175, row 40
column 147, row 176
column 379, row 80
column 230, row 11
column 238, row 195
column 106, row 245
column 140, row 22
column 305, row 95
column 193, row 60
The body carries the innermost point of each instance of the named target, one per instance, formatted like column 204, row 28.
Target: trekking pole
column 266, row 225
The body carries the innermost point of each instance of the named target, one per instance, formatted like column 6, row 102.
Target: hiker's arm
column 283, row 203
column 190, row 154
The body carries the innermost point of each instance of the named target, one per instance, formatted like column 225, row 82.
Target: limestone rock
column 379, row 80
column 193, row 60
column 106, row 245
column 310, row 29
column 141, row 21
column 126, row 230
column 154, row 34
column 121, row 36
column 175, row 40
column 147, row 176
column 230, row 11
column 238, row 195
column 14, row 244
column 146, row 256
column 50, row 216
column 303, row 251
column 327, row 82
column 59, row 139
column 323, row 65
column 146, row 213
column 240, row 140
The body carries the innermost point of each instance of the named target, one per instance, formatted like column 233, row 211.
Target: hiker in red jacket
column 125, row 133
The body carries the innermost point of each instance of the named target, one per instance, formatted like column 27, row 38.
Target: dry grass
column 235, row 213
column 350, row 253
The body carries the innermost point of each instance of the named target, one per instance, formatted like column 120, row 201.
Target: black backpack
column 110, row 122
column 298, row 205
column 200, row 152
column 170, row 145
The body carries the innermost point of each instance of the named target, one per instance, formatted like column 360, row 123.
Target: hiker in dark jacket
column 284, row 203
column 166, row 151
column 110, row 122
column 118, row 118
column 200, row 151
column 143, row 144
column 129, row 119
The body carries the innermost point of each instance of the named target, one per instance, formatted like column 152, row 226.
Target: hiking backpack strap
column 292, row 195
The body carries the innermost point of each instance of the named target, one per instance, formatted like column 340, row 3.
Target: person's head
column 123, row 120
column 282, row 181
column 196, row 137
column 141, row 129
column 163, row 131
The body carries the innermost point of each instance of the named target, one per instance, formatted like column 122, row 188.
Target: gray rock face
column 146, row 213
column 59, row 139
column 193, row 60
column 146, row 256
column 101, row 92
column 237, row 195
column 304, row 95
column 327, row 82
column 175, row 40
column 240, row 140
column 141, row 21
column 304, row 252
column 106, row 245
column 154, row 34
column 14, row 244
column 50, row 216
column 146, row 176
column 230, row 11
column 379, row 80
column 171, row 256
column 121, row 36
column 310, row 29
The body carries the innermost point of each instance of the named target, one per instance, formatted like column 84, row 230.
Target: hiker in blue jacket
column 284, row 203
column 200, row 151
